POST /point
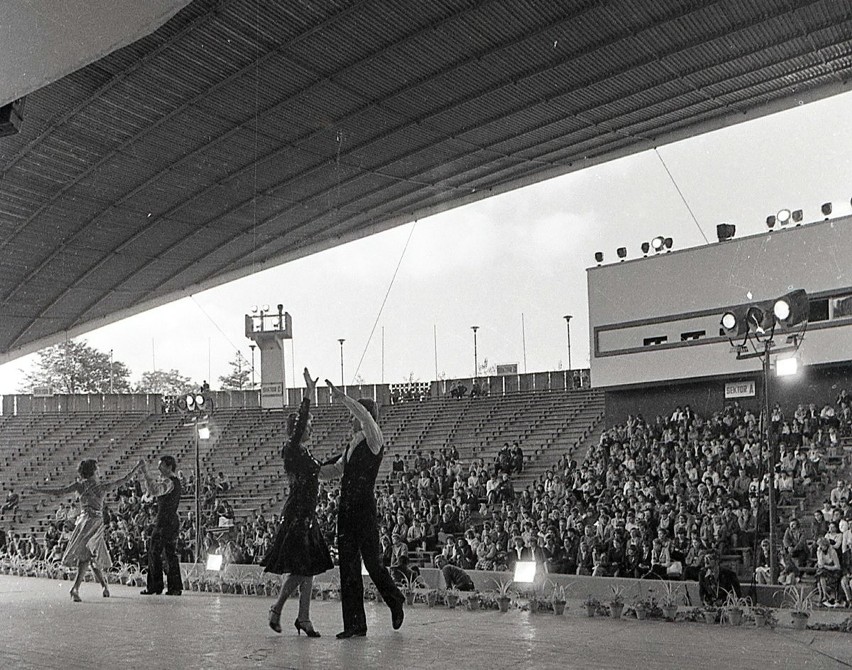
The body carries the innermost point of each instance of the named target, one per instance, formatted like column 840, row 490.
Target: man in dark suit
column 357, row 522
column 162, row 546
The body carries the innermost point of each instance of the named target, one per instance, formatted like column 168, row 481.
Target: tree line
column 75, row 367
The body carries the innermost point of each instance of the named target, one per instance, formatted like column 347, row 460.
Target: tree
column 240, row 374
column 167, row 382
column 75, row 367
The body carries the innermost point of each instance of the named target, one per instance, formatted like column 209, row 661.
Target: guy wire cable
column 382, row 307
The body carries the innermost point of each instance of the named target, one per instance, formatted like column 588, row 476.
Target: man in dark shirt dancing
column 162, row 550
column 357, row 519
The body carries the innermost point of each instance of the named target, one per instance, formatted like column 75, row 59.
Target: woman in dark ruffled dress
column 299, row 547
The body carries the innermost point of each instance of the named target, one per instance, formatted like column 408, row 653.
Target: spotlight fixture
column 734, row 322
column 265, row 308
column 668, row 242
column 770, row 221
column 657, row 244
column 797, row 216
column 785, row 367
column 792, row 308
column 725, row 231
column 524, row 572
column 783, row 217
column 646, row 247
column 760, row 319
column 826, row 208
column 254, row 309
column 599, row 257
column 622, row 252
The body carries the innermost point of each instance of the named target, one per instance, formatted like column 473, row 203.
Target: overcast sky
column 513, row 265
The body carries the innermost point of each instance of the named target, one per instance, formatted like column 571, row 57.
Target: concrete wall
column 672, row 294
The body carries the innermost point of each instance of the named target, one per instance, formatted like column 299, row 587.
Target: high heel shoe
column 306, row 626
column 275, row 619
column 75, row 596
column 106, row 592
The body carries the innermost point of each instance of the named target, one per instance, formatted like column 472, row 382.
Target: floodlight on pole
column 758, row 323
column 783, row 217
column 658, row 243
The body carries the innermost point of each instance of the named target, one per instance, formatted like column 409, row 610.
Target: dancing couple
column 299, row 547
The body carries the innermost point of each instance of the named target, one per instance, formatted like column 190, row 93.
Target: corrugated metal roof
column 243, row 132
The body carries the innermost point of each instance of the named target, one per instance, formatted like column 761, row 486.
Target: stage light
column 668, row 242
column 203, row 431
column 183, row 406
column 759, row 318
column 770, row 221
column 280, row 308
column 826, row 208
column 265, row 308
column 657, row 244
column 622, row 252
column 254, row 309
column 199, row 401
column 792, row 308
column 797, row 216
column 214, row 562
column 599, row 257
column 525, row 572
column 725, row 231
column 783, row 217
column 785, row 367
column 646, row 247
column 734, row 322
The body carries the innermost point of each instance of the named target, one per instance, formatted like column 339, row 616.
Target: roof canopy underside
column 244, row 133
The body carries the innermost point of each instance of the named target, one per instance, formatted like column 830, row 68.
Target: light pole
column 110, row 371
column 475, row 359
column 202, row 432
column 342, row 383
column 567, row 318
column 252, row 346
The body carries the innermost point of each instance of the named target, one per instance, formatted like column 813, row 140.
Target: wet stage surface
column 41, row 628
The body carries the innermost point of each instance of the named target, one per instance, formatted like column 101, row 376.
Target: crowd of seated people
column 667, row 498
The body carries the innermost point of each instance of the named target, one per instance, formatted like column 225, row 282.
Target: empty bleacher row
column 244, row 443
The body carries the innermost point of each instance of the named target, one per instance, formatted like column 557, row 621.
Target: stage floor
column 42, row 628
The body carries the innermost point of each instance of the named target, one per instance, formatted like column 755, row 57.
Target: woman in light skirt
column 87, row 547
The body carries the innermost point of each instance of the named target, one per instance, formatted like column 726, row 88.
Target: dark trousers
column 357, row 540
column 162, row 556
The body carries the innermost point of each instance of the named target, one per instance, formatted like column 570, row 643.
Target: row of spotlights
column 658, row 244
column 785, row 216
column 265, row 308
column 788, row 310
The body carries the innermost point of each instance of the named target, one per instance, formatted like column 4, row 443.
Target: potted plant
column 616, row 601
column 591, row 604
column 473, row 602
column 431, row 597
column 734, row 608
column 800, row 604
column 451, row 597
column 764, row 617
column 558, row 598
column 503, row 592
column 409, row 588
column 668, row 602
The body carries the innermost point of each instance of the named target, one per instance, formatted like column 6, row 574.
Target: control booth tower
column 268, row 330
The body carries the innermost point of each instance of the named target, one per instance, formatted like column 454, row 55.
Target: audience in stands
column 674, row 497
